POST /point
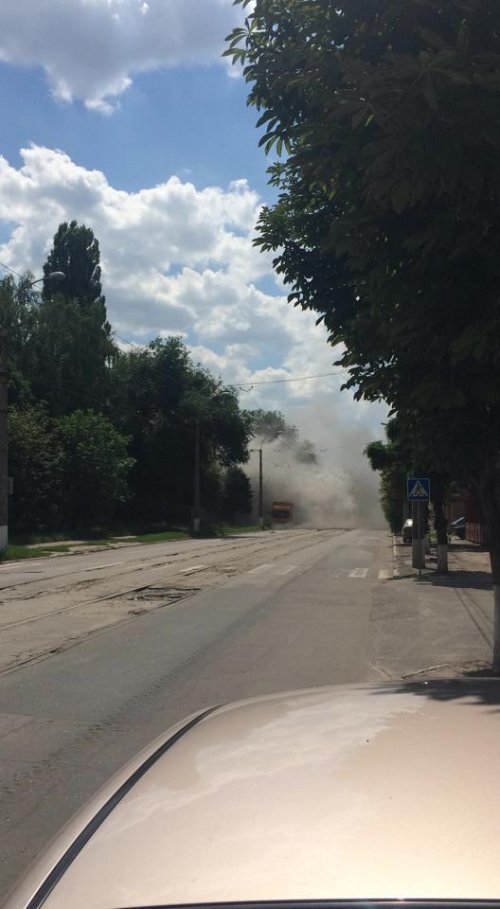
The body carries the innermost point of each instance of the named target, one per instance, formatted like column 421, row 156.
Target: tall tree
column 73, row 348
column 387, row 218
column 75, row 253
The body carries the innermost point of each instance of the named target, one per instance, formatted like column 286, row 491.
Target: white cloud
column 179, row 260
column 91, row 49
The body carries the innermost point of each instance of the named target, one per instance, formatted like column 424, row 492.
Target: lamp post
column 197, row 504
column 52, row 276
column 4, row 432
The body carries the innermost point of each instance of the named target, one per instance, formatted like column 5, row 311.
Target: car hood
column 343, row 793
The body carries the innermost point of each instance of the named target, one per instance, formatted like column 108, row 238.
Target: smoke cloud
column 340, row 490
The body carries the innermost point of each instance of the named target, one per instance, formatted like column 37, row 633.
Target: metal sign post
column 418, row 491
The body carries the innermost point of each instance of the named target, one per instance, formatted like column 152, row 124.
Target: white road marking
column 286, row 570
column 358, row 573
column 191, row 569
column 107, row 565
column 260, row 568
column 384, row 574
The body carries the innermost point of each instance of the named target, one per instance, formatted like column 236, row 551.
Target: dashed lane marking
column 358, row 573
column 260, row 568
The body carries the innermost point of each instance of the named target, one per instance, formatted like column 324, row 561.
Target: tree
column 237, row 496
column 35, row 461
column 76, row 254
column 72, row 348
column 269, row 425
column 94, row 469
column 158, row 396
column 393, row 245
column 71, row 351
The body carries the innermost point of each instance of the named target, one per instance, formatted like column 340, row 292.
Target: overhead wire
column 251, row 382
column 8, row 268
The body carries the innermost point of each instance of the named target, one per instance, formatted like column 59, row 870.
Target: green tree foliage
column 76, row 254
column 100, row 433
column 382, row 236
column 270, row 426
column 72, row 348
column 94, row 467
column 18, row 318
column 388, row 459
column 71, row 351
column 386, row 222
column 35, row 464
column 237, row 495
column 159, row 396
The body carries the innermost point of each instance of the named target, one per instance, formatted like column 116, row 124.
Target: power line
column 320, row 375
column 16, row 273
column 250, row 383
column 126, row 341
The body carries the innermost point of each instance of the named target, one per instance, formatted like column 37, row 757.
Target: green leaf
column 400, row 196
column 358, row 118
column 429, row 92
column 432, row 38
column 463, row 37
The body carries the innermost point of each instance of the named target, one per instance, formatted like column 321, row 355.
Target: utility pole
column 4, row 445
column 197, row 508
column 261, row 486
column 261, row 492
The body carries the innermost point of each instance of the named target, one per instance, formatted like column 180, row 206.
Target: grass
column 15, row 551
column 106, row 542
column 159, row 537
column 227, row 530
column 38, row 546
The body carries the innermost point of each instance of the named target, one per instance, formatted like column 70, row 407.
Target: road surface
column 99, row 653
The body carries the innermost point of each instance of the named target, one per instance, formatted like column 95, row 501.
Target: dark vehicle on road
column 351, row 793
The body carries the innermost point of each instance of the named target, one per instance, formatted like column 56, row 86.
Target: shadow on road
column 476, row 580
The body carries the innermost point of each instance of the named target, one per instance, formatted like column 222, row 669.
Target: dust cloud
column 340, row 490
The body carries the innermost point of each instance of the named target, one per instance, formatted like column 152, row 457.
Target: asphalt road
column 100, row 653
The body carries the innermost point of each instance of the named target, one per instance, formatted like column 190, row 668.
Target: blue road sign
column 418, row 489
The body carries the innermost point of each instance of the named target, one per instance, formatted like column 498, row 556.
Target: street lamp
column 52, row 276
column 4, row 437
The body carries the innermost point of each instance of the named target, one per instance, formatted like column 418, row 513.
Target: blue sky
column 167, row 123
column 123, row 115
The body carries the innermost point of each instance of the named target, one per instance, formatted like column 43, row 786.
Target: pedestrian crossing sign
column 418, row 489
